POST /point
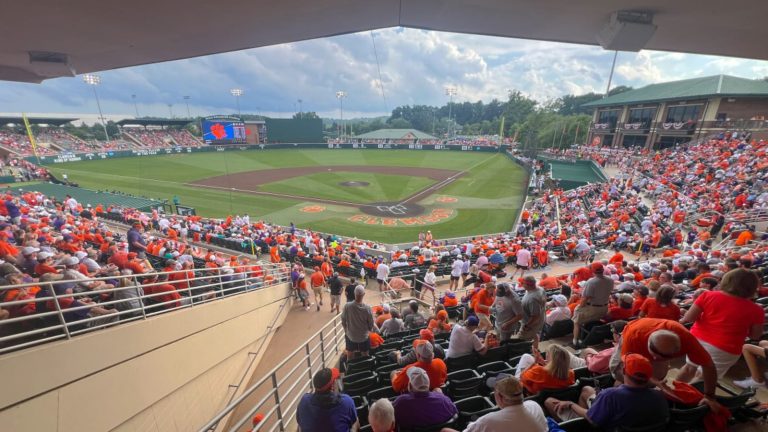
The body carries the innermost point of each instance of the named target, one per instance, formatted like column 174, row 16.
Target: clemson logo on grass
column 312, row 209
column 446, row 199
column 435, row 216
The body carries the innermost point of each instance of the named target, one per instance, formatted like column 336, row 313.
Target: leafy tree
column 306, row 115
column 619, row 89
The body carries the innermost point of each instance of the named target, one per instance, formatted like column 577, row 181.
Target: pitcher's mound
column 354, row 184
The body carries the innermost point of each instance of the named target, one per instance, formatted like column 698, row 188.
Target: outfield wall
column 63, row 158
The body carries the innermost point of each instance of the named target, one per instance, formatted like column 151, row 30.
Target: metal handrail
column 75, row 311
column 326, row 343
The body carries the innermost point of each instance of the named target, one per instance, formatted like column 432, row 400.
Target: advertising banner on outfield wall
column 72, row 157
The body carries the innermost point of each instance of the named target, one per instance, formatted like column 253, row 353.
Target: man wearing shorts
column 534, row 311
column 523, row 261
column 334, row 283
column 594, row 300
column 317, row 280
column 483, row 304
column 357, row 321
column 456, row 269
column 382, row 273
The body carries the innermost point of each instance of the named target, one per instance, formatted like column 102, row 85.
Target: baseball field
column 382, row 195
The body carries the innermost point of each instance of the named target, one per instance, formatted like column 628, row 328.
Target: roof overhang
column 53, row 38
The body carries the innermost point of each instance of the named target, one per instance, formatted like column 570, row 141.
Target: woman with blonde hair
column 430, row 282
column 555, row 372
column 723, row 319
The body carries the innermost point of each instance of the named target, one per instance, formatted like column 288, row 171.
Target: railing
column 64, row 308
column 749, row 125
column 277, row 394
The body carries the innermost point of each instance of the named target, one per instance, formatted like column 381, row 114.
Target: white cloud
column 416, row 65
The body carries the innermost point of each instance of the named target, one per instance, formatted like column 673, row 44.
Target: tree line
column 560, row 122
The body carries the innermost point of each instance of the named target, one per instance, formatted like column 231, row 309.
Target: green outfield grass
column 484, row 200
column 382, row 187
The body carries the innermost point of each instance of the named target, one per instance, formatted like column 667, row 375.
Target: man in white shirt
column 523, row 261
column 515, row 413
column 463, row 340
column 382, row 273
column 456, row 269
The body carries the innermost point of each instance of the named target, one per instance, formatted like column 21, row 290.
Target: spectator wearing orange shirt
column 317, row 280
column 536, row 373
column 662, row 306
column 482, row 306
column 425, row 359
column 548, row 282
column 746, row 236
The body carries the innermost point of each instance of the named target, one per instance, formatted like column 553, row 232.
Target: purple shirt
column 423, row 409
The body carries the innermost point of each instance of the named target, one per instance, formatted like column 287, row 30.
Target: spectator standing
column 534, row 311
column 136, row 242
column 382, row 273
column 335, row 285
column 357, row 320
column 723, row 319
column 508, row 311
column 594, row 300
column 662, row 341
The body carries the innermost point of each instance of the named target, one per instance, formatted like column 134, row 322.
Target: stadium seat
column 577, row 425
column 381, row 393
column 493, row 355
column 660, row 426
column 360, row 383
column 463, row 383
column 472, row 408
column 360, row 365
column 595, row 335
column 361, row 406
column 384, row 373
column 435, row 428
column 558, row 329
column 516, row 348
column 687, row 419
column 570, row 393
column 460, row 363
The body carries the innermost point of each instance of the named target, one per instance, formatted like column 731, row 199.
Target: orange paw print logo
column 218, row 131
column 312, row 209
column 446, row 199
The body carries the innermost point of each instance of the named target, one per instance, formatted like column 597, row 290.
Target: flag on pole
column 31, row 137
column 501, row 130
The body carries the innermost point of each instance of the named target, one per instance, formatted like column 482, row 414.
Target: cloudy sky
column 416, row 66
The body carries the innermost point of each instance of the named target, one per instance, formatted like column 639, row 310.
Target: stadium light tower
column 186, row 100
column 450, row 91
column 136, row 107
column 340, row 95
column 170, row 109
column 236, row 92
column 93, row 80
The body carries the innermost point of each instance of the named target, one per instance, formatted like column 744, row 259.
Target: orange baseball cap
column 637, row 367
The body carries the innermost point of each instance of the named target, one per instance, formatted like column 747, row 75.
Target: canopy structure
column 50, row 121
column 51, row 38
column 395, row 134
column 154, row 122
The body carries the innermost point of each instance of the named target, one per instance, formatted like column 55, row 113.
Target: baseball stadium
column 533, row 255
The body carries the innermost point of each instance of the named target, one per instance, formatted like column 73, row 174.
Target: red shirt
column 317, row 279
column 619, row 313
column 726, row 320
column 654, row 309
column 483, row 302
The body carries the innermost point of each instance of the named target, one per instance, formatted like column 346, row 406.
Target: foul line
column 445, row 182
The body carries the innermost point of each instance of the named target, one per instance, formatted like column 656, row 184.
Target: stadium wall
column 63, row 158
column 171, row 372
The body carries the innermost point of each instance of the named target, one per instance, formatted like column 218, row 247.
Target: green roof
column 694, row 88
column 395, row 134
